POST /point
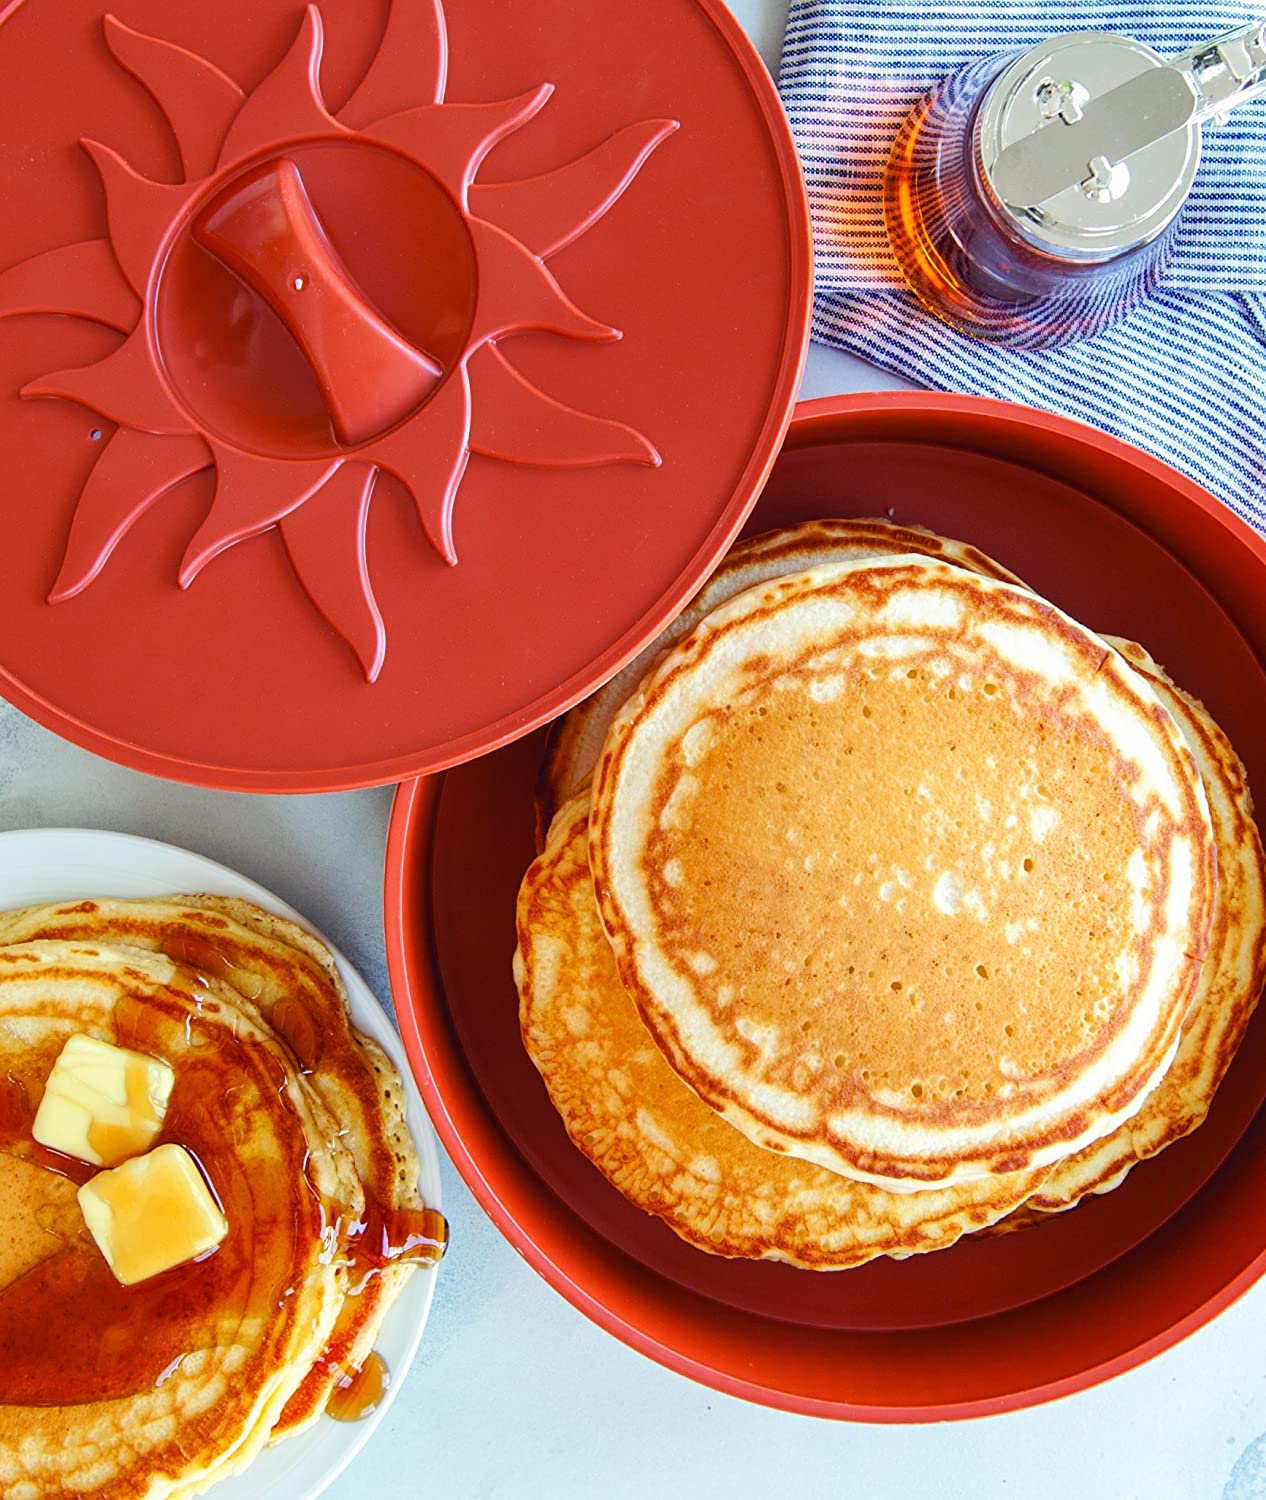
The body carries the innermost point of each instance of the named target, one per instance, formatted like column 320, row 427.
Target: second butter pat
column 152, row 1213
column 102, row 1103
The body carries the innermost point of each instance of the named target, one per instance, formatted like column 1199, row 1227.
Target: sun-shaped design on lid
column 253, row 349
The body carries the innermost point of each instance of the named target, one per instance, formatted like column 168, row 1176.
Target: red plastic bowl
column 1132, row 548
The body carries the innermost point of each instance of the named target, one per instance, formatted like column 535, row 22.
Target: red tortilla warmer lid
column 374, row 379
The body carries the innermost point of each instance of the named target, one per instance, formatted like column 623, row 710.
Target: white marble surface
column 515, row 1395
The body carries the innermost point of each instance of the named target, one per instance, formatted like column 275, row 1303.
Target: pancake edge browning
column 331, row 1181
column 576, row 739
column 613, row 1101
column 1231, row 980
column 396, row 1179
column 276, row 953
column 1076, row 1120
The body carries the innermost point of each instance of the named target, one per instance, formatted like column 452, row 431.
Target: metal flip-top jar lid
column 1063, row 149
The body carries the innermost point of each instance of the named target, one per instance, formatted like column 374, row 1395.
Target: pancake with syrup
column 576, row 739
column 908, row 874
column 1230, row 982
column 657, row 1142
column 292, row 979
column 156, row 1389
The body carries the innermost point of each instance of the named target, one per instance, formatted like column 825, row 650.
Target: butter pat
column 151, row 1214
column 102, row 1103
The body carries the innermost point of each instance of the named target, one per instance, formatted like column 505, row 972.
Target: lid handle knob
column 264, row 229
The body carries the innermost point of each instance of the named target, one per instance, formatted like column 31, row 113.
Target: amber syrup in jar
column 959, row 248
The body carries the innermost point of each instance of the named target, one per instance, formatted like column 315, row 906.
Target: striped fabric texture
column 1184, row 376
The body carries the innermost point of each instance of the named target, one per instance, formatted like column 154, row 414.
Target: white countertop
column 515, row 1394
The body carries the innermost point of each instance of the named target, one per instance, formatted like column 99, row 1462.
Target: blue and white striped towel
column 1184, row 376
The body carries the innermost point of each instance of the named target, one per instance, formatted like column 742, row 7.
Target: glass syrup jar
column 1033, row 200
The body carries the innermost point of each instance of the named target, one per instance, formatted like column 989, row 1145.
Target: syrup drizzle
column 293, row 1021
column 199, row 953
column 17, row 1115
column 115, row 1143
column 385, row 1237
column 380, row 1238
column 290, row 1019
column 15, row 1106
column 69, row 1333
column 354, row 1396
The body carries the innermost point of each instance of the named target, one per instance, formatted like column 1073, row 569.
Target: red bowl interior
column 991, row 1324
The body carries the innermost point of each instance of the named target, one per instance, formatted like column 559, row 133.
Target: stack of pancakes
column 879, row 901
column 298, row 1123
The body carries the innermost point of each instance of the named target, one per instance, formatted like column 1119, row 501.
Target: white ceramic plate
column 59, row 864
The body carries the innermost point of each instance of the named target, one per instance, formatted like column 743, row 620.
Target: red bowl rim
column 506, row 1204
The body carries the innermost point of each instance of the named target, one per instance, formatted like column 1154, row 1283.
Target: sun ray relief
column 432, row 485
column 235, row 514
column 452, row 139
column 124, row 387
column 78, row 281
column 325, row 541
column 198, row 101
column 314, row 480
column 515, row 422
column 288, row 100
column 135, row 469
column 547, row 213
column 409, row 68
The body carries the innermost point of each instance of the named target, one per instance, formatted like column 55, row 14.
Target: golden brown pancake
column 1230, row 982
column 657, row 1142
column 576, row 739
column 907, row 873
column 293, row 981
column 154, row 1390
